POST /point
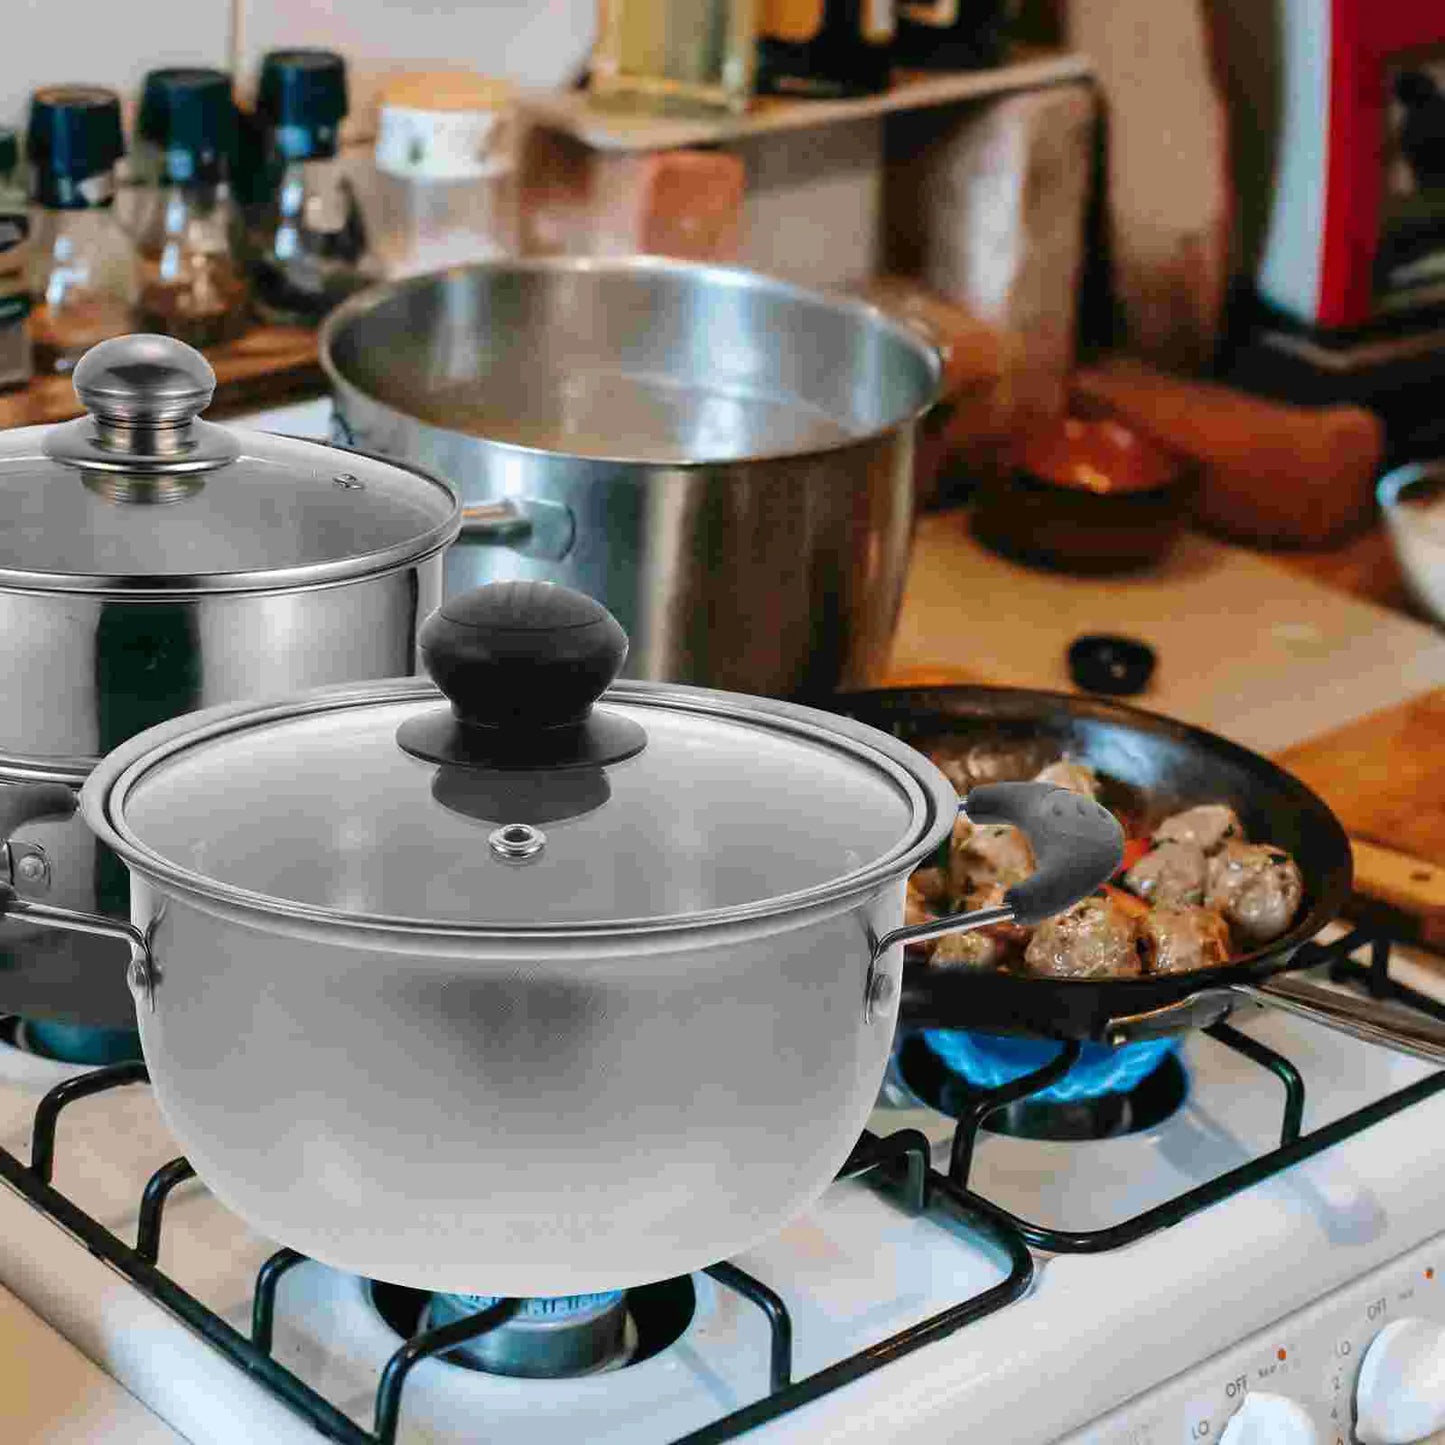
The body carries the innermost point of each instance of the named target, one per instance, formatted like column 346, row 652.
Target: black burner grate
column 899, row 1162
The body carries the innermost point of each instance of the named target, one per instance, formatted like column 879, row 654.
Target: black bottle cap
column 9, row 150
column 1115, row 666
column 190, row 117
column 74, row 141
column 302, row 100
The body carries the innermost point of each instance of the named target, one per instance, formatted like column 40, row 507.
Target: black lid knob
column 189, row 115
column 522, row 664
column 302, row 99
column 74, row 137
column 522, row 655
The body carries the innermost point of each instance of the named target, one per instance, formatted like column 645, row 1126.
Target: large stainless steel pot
column 150, row 564
column 523, row 996
column 725, row 461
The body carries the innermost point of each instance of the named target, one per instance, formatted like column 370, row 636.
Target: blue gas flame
column 989, row 1061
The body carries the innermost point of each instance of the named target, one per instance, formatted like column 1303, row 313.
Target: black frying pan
column 1150, row 766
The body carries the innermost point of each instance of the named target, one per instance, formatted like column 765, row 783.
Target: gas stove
column 955, row 1284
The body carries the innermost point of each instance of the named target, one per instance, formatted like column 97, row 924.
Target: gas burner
column 548, row 1339
column 70, row 1043
column 1109, row 1093
column 554, row 1339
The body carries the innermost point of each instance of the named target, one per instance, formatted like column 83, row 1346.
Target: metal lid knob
column 143, row 394
column 144, row 381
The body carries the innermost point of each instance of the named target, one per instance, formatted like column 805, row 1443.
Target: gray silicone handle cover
column 1078, row 844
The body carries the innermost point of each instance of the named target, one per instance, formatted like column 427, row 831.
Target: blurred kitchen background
column 1206, row 231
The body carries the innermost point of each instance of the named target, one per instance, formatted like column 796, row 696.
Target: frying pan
column 1151, row 766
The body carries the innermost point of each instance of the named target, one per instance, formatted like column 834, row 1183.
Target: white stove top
column 853, row 1271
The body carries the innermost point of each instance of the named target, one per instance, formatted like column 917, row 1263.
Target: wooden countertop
column 266, row 367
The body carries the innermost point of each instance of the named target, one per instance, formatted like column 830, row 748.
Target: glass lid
column 140, row 496
column 521, row 807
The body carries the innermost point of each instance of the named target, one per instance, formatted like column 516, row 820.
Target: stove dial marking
column 1266, row 1419
column 1400, row 1396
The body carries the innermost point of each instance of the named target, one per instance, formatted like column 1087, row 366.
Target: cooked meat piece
column 1074, row 776
column 1256, row 887
column 1170, row 873
column 917, row 907
column 1176, row 939
column 1013, row 936
column 987, row 853
column 994, row 947
column 1208, row 827
column 983, row 949
column 1094, row 939
column 967, row 763
column 931, row 885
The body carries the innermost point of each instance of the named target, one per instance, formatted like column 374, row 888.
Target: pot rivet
column 517, row 841
column 31, row 869
column 348, row 482
column 880, row 991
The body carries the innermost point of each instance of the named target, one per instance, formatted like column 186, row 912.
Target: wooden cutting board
column 1384, row 777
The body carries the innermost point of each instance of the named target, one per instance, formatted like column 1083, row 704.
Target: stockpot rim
column 933, row 800
column 358, row 307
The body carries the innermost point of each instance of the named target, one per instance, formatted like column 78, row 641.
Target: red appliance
column 1357, row 227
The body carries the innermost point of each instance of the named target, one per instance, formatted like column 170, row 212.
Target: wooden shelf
column 577, row 114
column 266, row 367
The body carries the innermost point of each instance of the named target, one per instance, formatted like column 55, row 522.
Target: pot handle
column 1077, row 843
column 142, row 972
column 544, row 530
column 22, row 803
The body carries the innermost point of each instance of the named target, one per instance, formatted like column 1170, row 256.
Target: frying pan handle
column 1385, row 1024
column 1077, row 843
column 1389, row 1025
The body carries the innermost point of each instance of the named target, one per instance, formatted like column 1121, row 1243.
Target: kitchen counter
column 1352, row 656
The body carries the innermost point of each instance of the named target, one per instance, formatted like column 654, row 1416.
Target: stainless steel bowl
column 725, row 461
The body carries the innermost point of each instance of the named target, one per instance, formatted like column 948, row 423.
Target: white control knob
column 1269, row 1420
column 1400, row 1397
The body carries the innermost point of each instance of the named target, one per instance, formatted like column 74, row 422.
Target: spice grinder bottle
column 305, row 238
column 83, row 272
column 193, row 285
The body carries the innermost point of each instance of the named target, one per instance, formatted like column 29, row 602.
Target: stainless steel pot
column 725, row 461
column 430, row 993
column 151, row 564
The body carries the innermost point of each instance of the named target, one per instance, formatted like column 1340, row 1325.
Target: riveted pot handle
column 1077, row 844
column 142, row 973
column 542, row 530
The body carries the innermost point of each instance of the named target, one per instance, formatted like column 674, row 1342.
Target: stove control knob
column 1269, row 1420
column 1400, row 1397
